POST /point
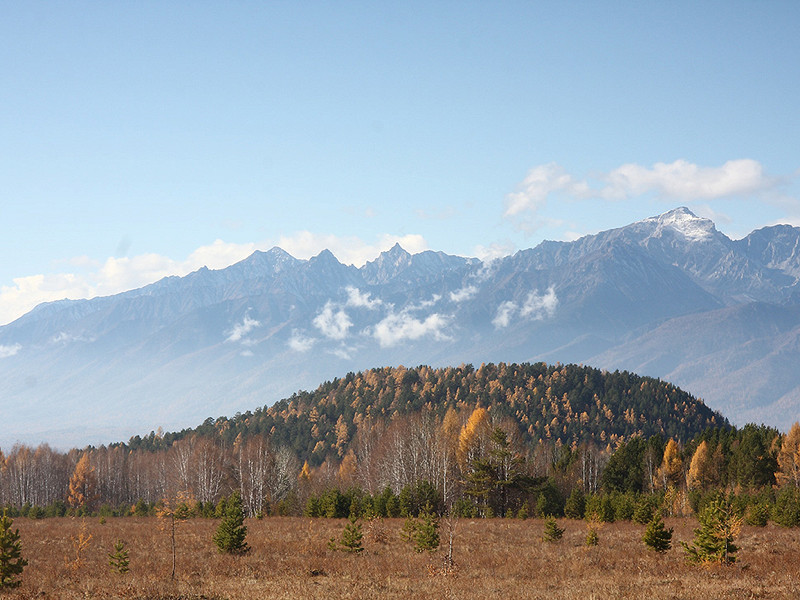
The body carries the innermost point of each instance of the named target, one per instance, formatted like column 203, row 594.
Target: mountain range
column 669, row 297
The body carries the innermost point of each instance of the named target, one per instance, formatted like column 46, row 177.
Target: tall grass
column 495, row 558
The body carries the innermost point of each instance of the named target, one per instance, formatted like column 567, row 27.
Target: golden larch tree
column 474, row 437
column 671, row 470
column 83, row 485
column 789, row 458
column 699, row 468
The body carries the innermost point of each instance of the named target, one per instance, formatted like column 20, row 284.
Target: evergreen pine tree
column 592, row 539
column 575, row 508
column 426, row 535
column 552, row 532
column 656, row 536
column 11, row 561
column 351, row 537
column 231, row 533
column 713, row 540
column 118, row 560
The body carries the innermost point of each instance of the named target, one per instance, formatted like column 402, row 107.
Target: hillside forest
column 500, row 440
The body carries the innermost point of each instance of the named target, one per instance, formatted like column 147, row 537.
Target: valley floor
column 290, row 559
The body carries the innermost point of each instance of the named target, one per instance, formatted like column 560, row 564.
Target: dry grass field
column 495, row 559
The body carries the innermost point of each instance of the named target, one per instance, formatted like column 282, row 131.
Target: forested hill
column 562, row 404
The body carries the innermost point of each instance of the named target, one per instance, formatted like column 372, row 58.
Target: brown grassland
column 289, row 559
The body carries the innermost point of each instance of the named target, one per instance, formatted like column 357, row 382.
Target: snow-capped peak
column 685, row 222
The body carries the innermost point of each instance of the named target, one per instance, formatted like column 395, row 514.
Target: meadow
column 494, row 558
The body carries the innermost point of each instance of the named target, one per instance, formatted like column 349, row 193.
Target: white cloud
column 536, row 307
column 342, row 352
column 64, row 337
column 300, row 342
column 504, row 313
column 6, row 351
column 539, row 183
column 358, row 299
column 397, row 327
column 333, row 324
column 240, row 330
column 679, row 180
column 464, row 293
column 492, row 252
column 686, row 181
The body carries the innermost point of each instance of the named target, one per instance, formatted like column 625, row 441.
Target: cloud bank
column 679, row 180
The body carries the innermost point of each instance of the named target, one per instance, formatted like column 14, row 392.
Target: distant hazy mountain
column 669, row 297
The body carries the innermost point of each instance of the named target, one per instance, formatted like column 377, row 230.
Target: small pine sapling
column 592, row 538
column 231, row 533
column 552, row 532
column 714, row 539
column 118, row 560
column 352, row 537
column 11, row 561
column 409, row 530
column 426, row 536
column 657, row 537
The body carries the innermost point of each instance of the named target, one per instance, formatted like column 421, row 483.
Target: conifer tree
column 83, row 485
column 714, row 539
column 231, row 533
column 426, row 535
column 575, row 507
column 352, row 537
column 656, row 536
column 552, row 532
column 11, row 561
column 118, row 560
column 592, row 539
column 671, row 470
column 789, row 458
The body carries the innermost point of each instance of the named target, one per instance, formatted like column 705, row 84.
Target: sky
column 145, row 139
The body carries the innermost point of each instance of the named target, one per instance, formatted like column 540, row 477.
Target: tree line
column 464, row 440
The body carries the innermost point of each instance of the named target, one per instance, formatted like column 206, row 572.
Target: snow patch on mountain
column 685, row 222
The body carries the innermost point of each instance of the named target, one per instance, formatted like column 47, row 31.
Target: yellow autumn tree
column 474, row 437
column 671, row 469
column 83, row 485
column 789, row 458
column 347, row 469
column 305, row 473
column 699, row 468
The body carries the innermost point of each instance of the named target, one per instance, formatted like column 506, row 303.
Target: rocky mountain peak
column 684, row 222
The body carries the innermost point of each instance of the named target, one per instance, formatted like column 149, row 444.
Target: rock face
column 669, row 296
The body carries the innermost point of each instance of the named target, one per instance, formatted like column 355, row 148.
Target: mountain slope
column 668, row 296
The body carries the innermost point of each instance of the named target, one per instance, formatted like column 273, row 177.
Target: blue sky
column 142, row 139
